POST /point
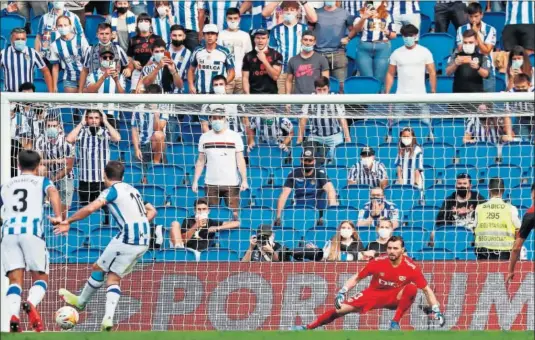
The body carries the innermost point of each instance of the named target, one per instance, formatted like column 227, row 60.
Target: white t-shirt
column 411, row 68
column 220, row 150
column 239, row 44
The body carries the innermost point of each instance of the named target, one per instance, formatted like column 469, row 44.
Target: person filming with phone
column 161, row 69
column 263, row 247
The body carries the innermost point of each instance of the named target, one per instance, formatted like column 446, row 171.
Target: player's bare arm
column 151, row 211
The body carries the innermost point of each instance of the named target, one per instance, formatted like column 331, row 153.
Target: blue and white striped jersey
column 108, row 86
column 162, row 27
column 353, row 7
column 92, row 57
column 327, row 126
column 127, row 208
column 187, row 13
column 209, row 64
column 488, row 32
column 218, row 11
column 18, row 67
column 287, row 41
column 181, row 59
column 521, row 107
column 519, row 12
column 48, row 24
column 410, row 164
column 372, row 177
column 390, row 211
column 373, row 29
column 23, row 200
column 256, row 12
column 93, row 154
column 490, row 131
column 397, row 8
column 271, row 130
column 55, row 149
column 144, row 122
column 70, row 54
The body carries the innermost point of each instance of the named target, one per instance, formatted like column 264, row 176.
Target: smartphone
column 113, row 64
column 167, row 54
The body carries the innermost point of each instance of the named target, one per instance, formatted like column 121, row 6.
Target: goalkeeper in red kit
column 394, row 284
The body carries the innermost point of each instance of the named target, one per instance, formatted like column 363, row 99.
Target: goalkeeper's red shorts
column 375, row 299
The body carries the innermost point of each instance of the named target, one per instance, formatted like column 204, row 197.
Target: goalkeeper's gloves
column 340, row 297
column 437, row 315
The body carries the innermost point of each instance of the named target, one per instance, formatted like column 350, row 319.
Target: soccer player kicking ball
column 395, row 279
column 123, row 252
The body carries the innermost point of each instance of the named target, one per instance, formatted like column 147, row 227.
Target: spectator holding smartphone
column 162, row 70
column 518, row 63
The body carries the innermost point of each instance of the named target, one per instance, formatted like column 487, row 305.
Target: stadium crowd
column 288, row 47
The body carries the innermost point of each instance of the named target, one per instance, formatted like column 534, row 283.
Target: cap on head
column 367, row 151
column 106, row 50
column 308, row 155
column 260, row 31
column 210, row 28
column 217, row 108
column 264, row 229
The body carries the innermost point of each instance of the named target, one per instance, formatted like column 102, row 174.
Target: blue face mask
column 157, row 57
column 64, row 30
column 289, row 17
column 52, row 132
column 19, row 45
column 517, row 64
column 330, row 3
column 307, row 48
column 218, row 125
column 409, row 41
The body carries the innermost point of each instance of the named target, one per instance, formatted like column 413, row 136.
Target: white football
column 67, row 317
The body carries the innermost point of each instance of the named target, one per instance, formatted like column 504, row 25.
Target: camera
column 262, row 240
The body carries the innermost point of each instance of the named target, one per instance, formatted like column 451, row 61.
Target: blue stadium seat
column 175, row 255
column 289, row 238
column 166, row 175
column 404, row 196
column 90, row 29
column 147, row 258
column 65, row 243
column 132, row 174
column 387, row 153
column 3, row 44
column 438, row 155
column 427, row 8
column 434, row 254
column 84, row 255
column 189, row 132
column 468, row 254
column 429, row 176
column 423, row 216
column 334, row 85
column 115, row 153
column 298, row 219
column 101, row 237
column 219, row 255
column 351, row 49
column 279, row 176
column 530, row 246
column 338, row 176
column 183, row 155
column 425, row 24
column 258, row 177
column 35, row 24
column 449, row 176
column 435, row 195
column 521, row 154
column 40, row 85
column 184, row 196
column 421, row 130
column 521, row 196
column 319, row 237
column 9, row 22
column 246, row 22
column 415, row 238
column 152, row 194
column 355, row 195
column 268, row 157
column 346, row 155
column 510, row 174
column 220, row 213
column 361, row 85
column 369, row 132
column 396, row 43
column 496, row 20
column 167, row 215
column 453, row 239
column 335, row 215
column 449, row 131
column 479, row 154
column 56, row 256
column 237, row 240
column 444, row 84
column 501, row 86
column 255, row 216
column 30, row 40
column 268, row 197
column 441, row 45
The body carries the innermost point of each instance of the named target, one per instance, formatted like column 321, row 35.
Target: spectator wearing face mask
column 469, row 67
column 163, row 19
column 518, row 63
column 123, row 24
column 496, row 130
column 384, row 232
column 524, row 127
column 368, row 171
column 221, row 152
column 28, row 120
column 238, row 43
column 180, row 54
column 264, row 248
column 376, row 208
column 261, row 67
column 346, row 245
column 218, row 12
column 410, row 160
column 162, row 70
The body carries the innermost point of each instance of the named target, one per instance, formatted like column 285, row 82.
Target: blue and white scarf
column 130, row 24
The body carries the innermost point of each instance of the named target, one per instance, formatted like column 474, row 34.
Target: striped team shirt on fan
column 271, row 130
column 93, row 154
column 324, row 127
column 353, row 7
column 397, row 8
column 258, row 20
column 287, row 41
column 54, row 150
column 373, row 29
column 487, row 31
column 483, row 132
column 235, row 123
column 181, row 59
column 127, row 208
column 108, row 86
column 390, row 211
column 144, row 122
column 162, row 28
column 208, row 65
column 520, row 12
column 47, row 23
column 410, row 164
column 220, row 150
column 23, row 209
column 521, row 107
column 217, row 11
column 187, row 13
column 92, row 57
column 69, row 53
column 18, row 66
column 372, row 177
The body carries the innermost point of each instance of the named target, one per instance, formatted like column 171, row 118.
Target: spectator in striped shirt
column 191, row 15
column 18, row 62
column 93, row 136
column 180, row 54
column 57, row 160
column 330, row 132
column 163, row 19
column 208, row 61
column 162, row 70
column 218, row 12
column 449, row 11
column 405, row 13
column 123, row 24
column 410, row 160
column 368, row 171
column 519, row 25
column 353, row 7
column 518, row 63
column 67, row 51
column 38, row 7
column 525, row 125
column 376, row 208
column 30, row 119
column 138, row 6
column 148, row 130
column 271, row 129
column 496, row 130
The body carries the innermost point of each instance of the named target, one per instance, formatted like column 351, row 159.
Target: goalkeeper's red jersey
column 385, row 276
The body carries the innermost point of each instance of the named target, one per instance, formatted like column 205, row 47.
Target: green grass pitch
column 276, row 335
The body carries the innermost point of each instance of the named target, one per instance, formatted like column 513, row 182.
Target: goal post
column 177, row 289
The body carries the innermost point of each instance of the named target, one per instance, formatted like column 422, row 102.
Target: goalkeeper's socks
column 113, row 294
column 93, row 284
column 37, row 292
column 325, row 318
column 407, row 298
column 13, row 299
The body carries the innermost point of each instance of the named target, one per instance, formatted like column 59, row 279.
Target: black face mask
column 521, row 90
column 177, row 43
column 122, row 10
column 308, row 167
column 461, row 191
column 93, row 130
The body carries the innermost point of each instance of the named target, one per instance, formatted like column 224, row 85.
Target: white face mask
column 162, row 11
column 384, row 233
column 469, row 48
column 201, row 216
column 346, row 233
column 233, row 25
column 272, row 240
column 367, row 162
column 407, row 141
column 220, row 90
column 144, row 26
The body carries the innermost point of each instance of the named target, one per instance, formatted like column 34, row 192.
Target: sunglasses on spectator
column 107, row 57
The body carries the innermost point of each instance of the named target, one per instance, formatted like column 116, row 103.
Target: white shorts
column 120, row 258
column 24, row 251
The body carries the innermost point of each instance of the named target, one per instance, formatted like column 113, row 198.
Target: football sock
column 113, row 295
column 13, row 299
column 325, row 318
column 37, row 292
column 93, row 284
column 407, row 298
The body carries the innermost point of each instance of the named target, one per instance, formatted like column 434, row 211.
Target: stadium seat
column 438, row 155
column 449, row 176
column 268, row 197
column 90, row 28
column 510, row 174
column 3, row 44
column 346, row 155
column 441, row 46
column 387, row 153
column 396, row 43
column 268, row 157
column 453, row 239
column 415, row 238
column 338, row 176
column 255, row 216
column 298, row 219
column 246, row 22
column 9, row 22
column 258, row 177
column 496, row 20
column 468, row 254
column 334, row 85
column 427, row 8
column 147, row 258
column 65, row 243
column 84, row 255
column 479, row 154
column 521, row 196
column 167, row 215
column 152, row 194
column 35, row 24
column 404, row 196
column 435, row 195
column 420, row 129
column 183, row 155
column 237, row 240
column 444, row 84
column 449, row 131
column 319, row 237
column 40, row 85
column 333, row 216
column 423, row 216
column 289, row 238
column 219, row 255
column 166, row 175
column 132, row 174
column 434, row 254
column 221, row 213
column 361, row 85
column 521, row 154
column 425, row 24
column 279, row 176
column 175, row 255
column 501, row 86
column 30, row 40
column 101, row 237
column 369, row 132
column 189, row 132
column 355, row 195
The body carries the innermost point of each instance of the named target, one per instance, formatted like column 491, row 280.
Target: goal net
column 389, row 162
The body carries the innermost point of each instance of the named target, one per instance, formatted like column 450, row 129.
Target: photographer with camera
column 263, row 247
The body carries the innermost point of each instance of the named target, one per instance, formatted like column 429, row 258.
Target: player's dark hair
column 158, row 43
column 232, row 11
column 496, row 186
column 521, row 78
column 464, row 175
column 395, row 239
column 200, row 201
column 29, row 160
column 103, row 26
column 309, row 33
column 176, row 27
column 321, row 82
column 474, row 8
column 114, row 171
column 219, row 77
column 469, row 33
column 153, row 89
column 26, row 86
column 409, row 30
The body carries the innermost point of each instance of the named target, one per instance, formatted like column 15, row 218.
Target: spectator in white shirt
column 221, row 151
column 238, row 43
